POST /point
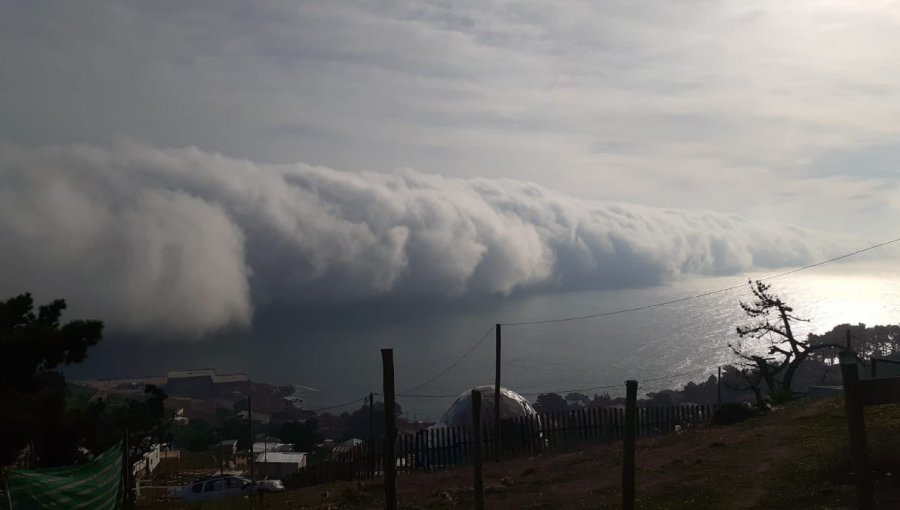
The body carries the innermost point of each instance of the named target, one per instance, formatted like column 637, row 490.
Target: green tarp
column 96, row 485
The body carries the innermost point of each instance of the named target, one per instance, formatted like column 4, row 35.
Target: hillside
column 795, row 457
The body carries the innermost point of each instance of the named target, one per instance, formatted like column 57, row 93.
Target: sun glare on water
column 836, row 300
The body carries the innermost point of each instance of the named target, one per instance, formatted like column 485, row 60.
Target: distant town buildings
column 258, row 417
column 205, row 383
column 148, row 463
column 347, row 445
column 271, row 446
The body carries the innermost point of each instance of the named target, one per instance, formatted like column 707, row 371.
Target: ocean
column 335, row 357
column 689, row 336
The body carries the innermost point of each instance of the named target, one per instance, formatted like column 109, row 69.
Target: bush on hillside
column 733, row 412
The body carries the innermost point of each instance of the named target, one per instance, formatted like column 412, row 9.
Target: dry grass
column 793, row 458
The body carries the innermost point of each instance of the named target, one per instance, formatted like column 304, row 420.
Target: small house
column 278, row 464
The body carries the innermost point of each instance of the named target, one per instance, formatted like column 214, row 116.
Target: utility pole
column 497, row 400
column 390, row 431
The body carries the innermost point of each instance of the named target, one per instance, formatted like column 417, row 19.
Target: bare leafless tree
column 781, row 353
column 745, row 379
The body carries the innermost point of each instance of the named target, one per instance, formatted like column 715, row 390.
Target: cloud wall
column 186, row 242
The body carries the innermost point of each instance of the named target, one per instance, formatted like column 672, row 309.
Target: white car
column 214, row 488
column 270, row 486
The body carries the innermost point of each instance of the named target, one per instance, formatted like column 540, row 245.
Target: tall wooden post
column 849, row 341
column 856, row 423
column 719, row 388
column 221, row 454
column 390, row 431
column 250, row 427
column 126, row 473
column 630, row 432
column 478, row 459
column 497, row 424
column 371, row 435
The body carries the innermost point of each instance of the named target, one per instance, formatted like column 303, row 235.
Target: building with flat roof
column 272, row 446
column 278, row 464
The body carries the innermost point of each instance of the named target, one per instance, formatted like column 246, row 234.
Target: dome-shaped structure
column 512, row 405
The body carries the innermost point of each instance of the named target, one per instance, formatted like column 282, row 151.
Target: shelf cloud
column 186, row 242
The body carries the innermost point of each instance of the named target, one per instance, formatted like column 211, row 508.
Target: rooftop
column 272, row 446
column 281, row 457
column 208, row 372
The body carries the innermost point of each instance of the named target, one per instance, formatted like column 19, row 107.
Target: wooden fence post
column 126, row 472
column 628, row 453
column 478, row 460
column 856, row 423
column 250, row 427
column 497, row 400
column 371, row 470
column 390, row 432
column 719, row 388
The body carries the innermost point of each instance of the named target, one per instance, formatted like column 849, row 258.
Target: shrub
column 733, row 412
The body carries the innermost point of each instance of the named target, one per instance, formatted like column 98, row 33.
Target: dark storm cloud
column 182, row 241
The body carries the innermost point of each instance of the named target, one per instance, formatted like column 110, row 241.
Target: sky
column 175, row 167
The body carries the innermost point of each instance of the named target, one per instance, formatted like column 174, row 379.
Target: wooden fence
column 447, row 447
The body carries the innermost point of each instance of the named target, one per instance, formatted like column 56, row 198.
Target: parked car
column 270, row 486
column 215, row 488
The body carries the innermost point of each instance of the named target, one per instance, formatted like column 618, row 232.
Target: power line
column 578, row 390
column 822, row 263
column 594, row 388
column 673, row 376
column 452, row 365
column 575, row 390
column 408, row 392
column 426, row 396
column 624, row 310
column 559, row 392
column 701, row 295
column 347, row 403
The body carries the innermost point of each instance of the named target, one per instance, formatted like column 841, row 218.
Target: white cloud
column 185, row 241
